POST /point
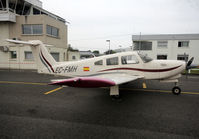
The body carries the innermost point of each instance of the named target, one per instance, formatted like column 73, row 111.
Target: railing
column 7, row 15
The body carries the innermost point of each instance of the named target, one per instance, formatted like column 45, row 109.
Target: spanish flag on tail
column 86, row 69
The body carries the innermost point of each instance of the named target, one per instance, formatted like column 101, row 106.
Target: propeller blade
column 189, row 62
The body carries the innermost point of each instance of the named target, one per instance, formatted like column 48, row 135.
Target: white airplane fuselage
column 154, row 69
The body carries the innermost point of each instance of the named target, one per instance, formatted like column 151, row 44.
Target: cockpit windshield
column 145, row 58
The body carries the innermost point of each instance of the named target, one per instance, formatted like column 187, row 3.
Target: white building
column 168, row 46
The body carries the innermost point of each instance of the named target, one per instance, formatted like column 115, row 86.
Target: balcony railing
column 7, row 15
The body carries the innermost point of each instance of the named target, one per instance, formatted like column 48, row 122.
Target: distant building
column 78, row 55
column 168, row 46
column 27, row 20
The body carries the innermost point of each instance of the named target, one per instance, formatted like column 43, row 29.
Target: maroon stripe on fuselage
column 143, row 70
column 47, row 62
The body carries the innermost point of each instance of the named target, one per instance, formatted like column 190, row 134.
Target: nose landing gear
column 176, row 90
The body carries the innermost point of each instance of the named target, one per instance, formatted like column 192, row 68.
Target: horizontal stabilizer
column 33, row 43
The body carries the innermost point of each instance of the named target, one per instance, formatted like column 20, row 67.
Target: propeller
column 188, row 65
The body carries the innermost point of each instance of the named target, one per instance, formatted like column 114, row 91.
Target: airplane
column 108, row 70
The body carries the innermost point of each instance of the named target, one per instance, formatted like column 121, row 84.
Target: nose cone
column 183, row 63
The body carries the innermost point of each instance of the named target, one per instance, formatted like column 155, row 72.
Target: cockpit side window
column 112, row 61
column 100, row 62
column 129, row 59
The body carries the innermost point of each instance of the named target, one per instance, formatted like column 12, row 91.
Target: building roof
column 166, row 37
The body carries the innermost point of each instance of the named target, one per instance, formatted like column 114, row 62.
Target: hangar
column 27, row 20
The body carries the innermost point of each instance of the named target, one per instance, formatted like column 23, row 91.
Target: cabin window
column 129, row 59
column 112, row 61
column 100, row 62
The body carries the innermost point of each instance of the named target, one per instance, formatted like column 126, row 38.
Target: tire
column 176, row 90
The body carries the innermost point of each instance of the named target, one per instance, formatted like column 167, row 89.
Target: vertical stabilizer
column 43, row 59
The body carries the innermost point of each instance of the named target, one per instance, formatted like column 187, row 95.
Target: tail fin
column 43, row 58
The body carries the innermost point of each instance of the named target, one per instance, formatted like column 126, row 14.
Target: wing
column 104, row 80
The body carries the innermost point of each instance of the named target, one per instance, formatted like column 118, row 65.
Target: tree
column 70, row 48
column 96, row 52
column 111, row 52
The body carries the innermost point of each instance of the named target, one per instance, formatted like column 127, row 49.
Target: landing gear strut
column 176, row 90
column 114, row 92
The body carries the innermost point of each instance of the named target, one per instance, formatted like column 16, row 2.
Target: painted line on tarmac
column 145, row 90
column 13, row 82
column 163, row 91
column 53, row 90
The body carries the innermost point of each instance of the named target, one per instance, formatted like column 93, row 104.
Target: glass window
column 48, row 29
column 162, row 44
column 55, row 55
column 32, row 29
column 161, row 56
column 28, row 55
column 142, row 45
column 37, row 29
column 129, row 59
column 183, row 57
column 53, row 31
column 112, row 61
column 26, row 29
column 13, row 54
column 73, row 57
column 100, row 62
column 183, row 44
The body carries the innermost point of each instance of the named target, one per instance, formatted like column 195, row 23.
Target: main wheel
column 176, row 90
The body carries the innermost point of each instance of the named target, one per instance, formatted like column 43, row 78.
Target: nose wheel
column 176, row 90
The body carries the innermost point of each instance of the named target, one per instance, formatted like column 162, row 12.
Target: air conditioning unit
column 4, row 48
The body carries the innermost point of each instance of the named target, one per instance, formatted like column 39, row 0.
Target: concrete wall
column 61, row 41
column 172, row 50
column 71, row 54
column 14, row 30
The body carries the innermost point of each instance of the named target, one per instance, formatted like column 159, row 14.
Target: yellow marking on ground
column 164, row 91
column 53, row 90
column 12, row 82
column 144, row 85
column 145, row 90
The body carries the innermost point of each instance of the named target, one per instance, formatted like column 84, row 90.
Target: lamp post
column 109, row 41
column 120, row 46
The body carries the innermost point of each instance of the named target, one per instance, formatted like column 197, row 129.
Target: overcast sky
column 92, row 22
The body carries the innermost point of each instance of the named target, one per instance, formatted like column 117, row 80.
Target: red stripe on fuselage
column 143, row 70
column 47, row 62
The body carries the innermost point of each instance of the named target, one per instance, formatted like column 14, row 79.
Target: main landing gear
column 114, row 92
column 176, row 90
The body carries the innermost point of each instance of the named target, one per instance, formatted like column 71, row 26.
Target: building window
column 13, row 54
column 142, row 45
column 183, row 44
column 162, row 44
column 100, row 62
column 161, row 56
column 28, row 55
column 130, row 59
column 183, row 57
column 32, row 29
column 112, row 61
column 52, row 31
column 73, row 57
column 55, row 55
